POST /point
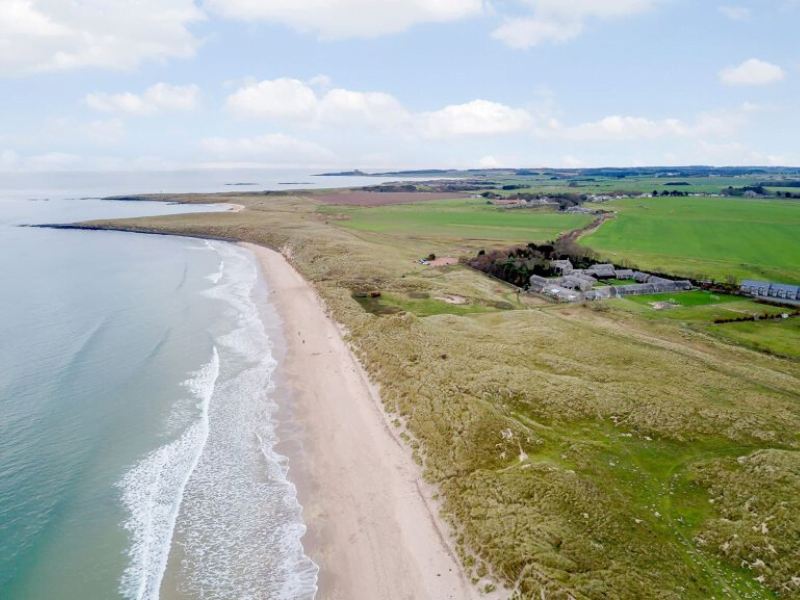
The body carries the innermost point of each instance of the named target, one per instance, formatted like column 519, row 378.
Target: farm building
column 577, row 282
column 562, row 293
column 562, row 266
column 602, row 271
column 639, row 289
column 538, row 283
column 655, row 279
column 579, row 285
column 765, row 289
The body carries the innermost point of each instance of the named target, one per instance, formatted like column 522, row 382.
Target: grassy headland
column 581, row 451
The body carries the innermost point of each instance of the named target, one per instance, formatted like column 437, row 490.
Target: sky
column 392, row 84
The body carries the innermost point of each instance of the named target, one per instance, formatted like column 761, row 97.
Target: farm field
column 640, row 185
column 696, row 298
column 458, row 220
column 705, row 237
column 779, row 336
column 698, row 308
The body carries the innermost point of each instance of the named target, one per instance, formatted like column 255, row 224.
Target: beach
column 373, row 528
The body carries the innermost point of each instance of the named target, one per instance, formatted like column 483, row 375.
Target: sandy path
column 370, row 528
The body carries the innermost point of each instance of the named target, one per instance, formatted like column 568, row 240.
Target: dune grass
column 705, row 237
column 577, row 449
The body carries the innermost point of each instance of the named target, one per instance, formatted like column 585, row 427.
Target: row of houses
column 764, row 289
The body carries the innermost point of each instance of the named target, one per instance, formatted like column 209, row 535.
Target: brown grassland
column 580, row 451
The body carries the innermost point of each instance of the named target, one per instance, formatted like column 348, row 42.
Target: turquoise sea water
column 136, row 412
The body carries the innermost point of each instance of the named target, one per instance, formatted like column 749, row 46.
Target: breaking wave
column 220, row 492
column 153, row 490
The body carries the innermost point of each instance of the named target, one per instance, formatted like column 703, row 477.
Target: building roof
column 777, row 287
column 605, row 270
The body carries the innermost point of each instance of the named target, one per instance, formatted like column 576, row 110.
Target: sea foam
column 239, row 525
column 152, row 492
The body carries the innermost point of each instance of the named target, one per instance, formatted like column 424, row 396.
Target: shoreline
column 371, row 527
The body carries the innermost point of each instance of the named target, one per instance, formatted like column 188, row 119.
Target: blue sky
column 373, row 84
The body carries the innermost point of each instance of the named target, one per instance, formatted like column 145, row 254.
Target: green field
column 705, row 237
column 458, row 219
column 696, row 298
column 775, row 336
column 639, row 185
column 696, row 308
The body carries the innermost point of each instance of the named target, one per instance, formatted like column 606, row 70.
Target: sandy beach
column 370, row 528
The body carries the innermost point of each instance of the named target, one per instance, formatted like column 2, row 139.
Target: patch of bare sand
column 453, row 299
column 443, row 262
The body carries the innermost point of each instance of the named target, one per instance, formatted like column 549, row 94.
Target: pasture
column 705, row 237
column 698, row 309
column 457, row 220
column 775, row 336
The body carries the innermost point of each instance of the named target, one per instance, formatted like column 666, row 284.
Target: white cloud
column 735, row 13
column 158, row 98
column 276, row 148
column 291, row 100
column 52, row 35
column 337, row 19
column 562, row 20
column 719, row 123
column 488, row 162
column 278, row 99
column 619, row 128
column 571, row 162
column 295, row 100
column 752, row 72
column 524, row 33
column 111, row 130
column 476, row 118
column 370, row 108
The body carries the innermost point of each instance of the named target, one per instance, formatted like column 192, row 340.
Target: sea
column 138, row 400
